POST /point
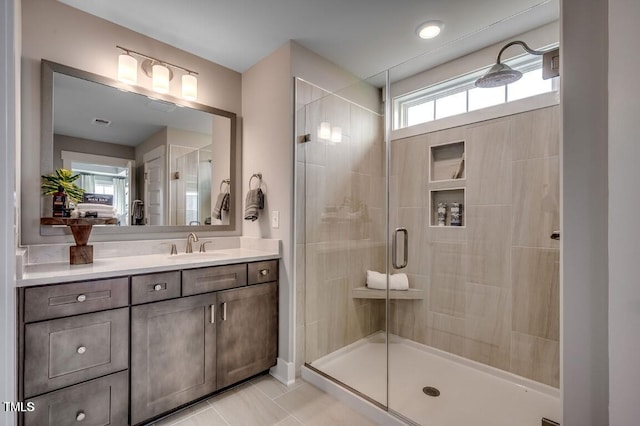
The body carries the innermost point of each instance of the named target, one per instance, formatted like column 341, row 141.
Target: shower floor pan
column 471, row 393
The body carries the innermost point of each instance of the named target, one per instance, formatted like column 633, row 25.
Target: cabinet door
column 247, row 332
column 173, row 354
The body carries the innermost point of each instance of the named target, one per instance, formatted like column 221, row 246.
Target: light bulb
column 324, row 130
column 430, row 29
column 189, row 87
column 127, row 69
column 160, row 79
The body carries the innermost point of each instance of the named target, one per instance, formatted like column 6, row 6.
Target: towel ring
column 228, row 182
column 256, row 175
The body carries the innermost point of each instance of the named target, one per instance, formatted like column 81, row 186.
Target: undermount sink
column 199, row 256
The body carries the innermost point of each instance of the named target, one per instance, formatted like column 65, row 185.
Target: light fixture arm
column 524, row 46
column 129, row 51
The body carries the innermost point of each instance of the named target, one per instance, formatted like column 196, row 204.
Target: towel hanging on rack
column 222, row 202
column 254, row 200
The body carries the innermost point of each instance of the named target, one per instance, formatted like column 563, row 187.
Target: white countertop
column 49, row 273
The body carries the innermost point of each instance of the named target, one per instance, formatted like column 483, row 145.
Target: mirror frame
column 48, row 68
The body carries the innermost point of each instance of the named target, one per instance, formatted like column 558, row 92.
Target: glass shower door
column 341, row 234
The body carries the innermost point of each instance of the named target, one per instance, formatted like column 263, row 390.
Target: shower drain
column 431, row 391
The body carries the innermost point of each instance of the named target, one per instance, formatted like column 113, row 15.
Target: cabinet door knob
column 81, row 298
column 80, row 416
column 264, row 272
column 157, row 287
column 81, row 350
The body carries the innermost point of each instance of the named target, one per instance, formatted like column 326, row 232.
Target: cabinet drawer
column 262, row 272
column 62, row 300
column 204, row 280
column 103, row 401
column 66, row 351
column 155, row 287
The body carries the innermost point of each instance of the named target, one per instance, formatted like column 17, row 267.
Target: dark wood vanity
column 127, row 350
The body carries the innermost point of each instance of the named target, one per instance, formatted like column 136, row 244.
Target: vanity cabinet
column 170, row 338
column 247, row 332
column 75, row 353
column 173, row 354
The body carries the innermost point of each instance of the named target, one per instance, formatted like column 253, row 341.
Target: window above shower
column 459, row 95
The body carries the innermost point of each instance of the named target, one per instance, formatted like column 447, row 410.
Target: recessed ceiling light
column 430, row 29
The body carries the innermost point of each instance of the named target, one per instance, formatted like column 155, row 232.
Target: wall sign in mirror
column 161, row 159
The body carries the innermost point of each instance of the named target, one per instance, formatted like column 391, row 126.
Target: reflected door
column 153, row 190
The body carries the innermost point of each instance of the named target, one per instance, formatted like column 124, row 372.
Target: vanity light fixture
column 159, row 71
column 160, row 78
column 429, row 29
column 127, row 68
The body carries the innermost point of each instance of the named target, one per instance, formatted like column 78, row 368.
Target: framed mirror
column 162, row 162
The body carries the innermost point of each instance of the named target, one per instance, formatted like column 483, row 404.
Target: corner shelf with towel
column 377, row 285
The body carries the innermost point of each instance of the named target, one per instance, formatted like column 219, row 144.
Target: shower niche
column 447, row 162
column 447, row 176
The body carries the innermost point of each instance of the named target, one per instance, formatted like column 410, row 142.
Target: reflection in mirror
column 161, row 161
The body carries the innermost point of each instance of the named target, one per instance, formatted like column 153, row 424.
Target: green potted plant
column 62, row 178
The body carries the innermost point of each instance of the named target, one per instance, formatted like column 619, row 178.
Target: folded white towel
column 378, row 281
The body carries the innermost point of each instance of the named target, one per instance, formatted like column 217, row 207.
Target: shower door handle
column 394, row 248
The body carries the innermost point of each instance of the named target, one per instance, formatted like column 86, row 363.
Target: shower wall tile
column 445, row 332
column 536, row 292
column 535, row 202
column 359, row 322
column 438, row 234
column 535, row 358
column 312, row 342
column 455, row 134
column 488, row 325
column 536, row 134
column 407, row 319
column 489, row 235
column 315, row 202
column 409, row 163
column 314, row 276
column 447, row 278
column 488, row 155
column 334, row 306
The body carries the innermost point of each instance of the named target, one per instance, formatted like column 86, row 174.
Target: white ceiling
column 363, row 36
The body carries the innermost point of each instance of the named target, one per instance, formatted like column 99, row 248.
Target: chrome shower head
column 498, row 75
column 501, row 74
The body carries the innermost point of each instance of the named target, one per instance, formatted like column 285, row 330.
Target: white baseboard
column 354, row 401
column 284, row 372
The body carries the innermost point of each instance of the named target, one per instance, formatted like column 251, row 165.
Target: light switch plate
column 275, row 219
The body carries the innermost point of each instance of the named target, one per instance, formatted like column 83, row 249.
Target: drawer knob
column 157, row 287
column 80, row 416
column 264, row 272
column 81, row 298
column 81, row 350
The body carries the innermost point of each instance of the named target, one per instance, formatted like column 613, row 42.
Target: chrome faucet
column 192, row 237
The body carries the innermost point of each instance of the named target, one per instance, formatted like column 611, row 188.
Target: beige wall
column 9, row 134
column 624, row 197
column 86, row 146
column 59, row 33
column 492, row 286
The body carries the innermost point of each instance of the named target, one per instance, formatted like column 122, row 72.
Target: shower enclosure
column 462, row 210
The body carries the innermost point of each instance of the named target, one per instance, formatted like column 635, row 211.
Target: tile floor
column 265, row 401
